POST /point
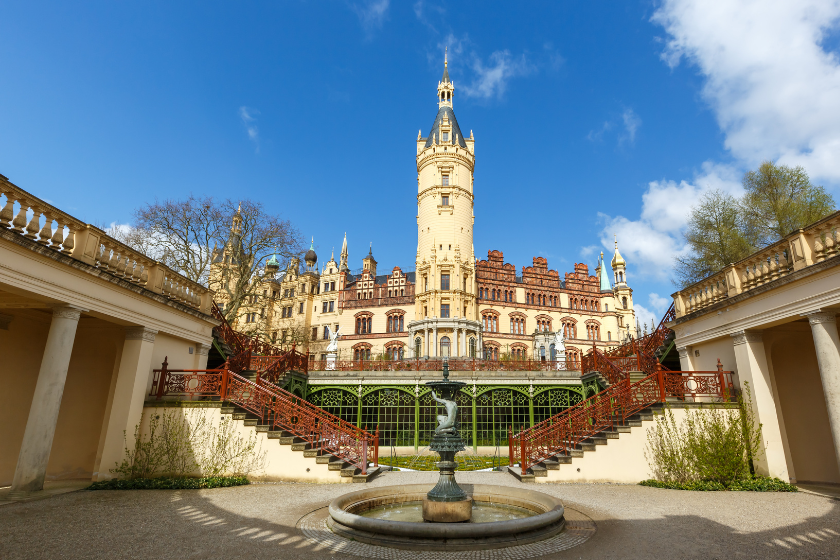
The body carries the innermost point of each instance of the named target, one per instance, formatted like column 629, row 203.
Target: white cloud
column 597, row 135
column 632, row 122
column 651, row 243
column 772, row 85
column 423, row 9
column 371, row 13
column 644, row 316
column 660, row 304
column 588, row 250
column 491, row 77
column 248, row 117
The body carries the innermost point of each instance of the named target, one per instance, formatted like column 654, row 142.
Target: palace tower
column 446, row 317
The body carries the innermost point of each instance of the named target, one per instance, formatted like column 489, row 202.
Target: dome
column 617, row 260
column 272, row 262
column 311, row 257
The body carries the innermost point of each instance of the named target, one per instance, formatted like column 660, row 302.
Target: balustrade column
column 38, row 436
column 124, row 408
column 751, row 361
column 685, row 358
column 827, row 345
column 426, row 342
column 201, row 352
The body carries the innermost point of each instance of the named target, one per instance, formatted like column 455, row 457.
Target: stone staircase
column 349, row 473
column 590, row 445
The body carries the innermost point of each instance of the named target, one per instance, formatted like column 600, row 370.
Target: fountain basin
column 546, row 520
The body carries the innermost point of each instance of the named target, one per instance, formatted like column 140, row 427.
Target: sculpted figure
column 333, row 345
column 446, row 424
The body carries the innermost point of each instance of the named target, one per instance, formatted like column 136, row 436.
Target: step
column 539, row 470
column 324, row 459
column 371, row 472
column 228, row 409
column 517, row 472
column 305, row 446
column 316, row 453
column 239, row 415
column 585, row 446
column 336, row 465
column 597, row 440
column 251, row 422
column 551, row 464
column 350, row 471
column 262, row 427
column 563, row 460
column 609, row 435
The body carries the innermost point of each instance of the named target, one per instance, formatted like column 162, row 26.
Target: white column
column 685, row 358
column 46, row 401
column 827, row 344
column 456, row 347
column 435, row 341
column 126, row 408
column 751, row 360
column 426, row 343
column 201, row 353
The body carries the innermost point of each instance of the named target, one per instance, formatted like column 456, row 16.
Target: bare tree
column 222, row 244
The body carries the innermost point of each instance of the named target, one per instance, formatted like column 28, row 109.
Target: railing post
column 523, row 464
column 162, row 379
column 721, row 381
column 364, row 455
column 224, row 385
column 660, row 378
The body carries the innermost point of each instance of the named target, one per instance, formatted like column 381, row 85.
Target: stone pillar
column 43, row 413
column 685, row 358
column 426, row 342
column 201, row 353
column 126, row 407
column 435, row 341
column 456, row 346
column 751, row 360
column 827, row 344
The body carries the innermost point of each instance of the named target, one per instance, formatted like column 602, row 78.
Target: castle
column 451, row 304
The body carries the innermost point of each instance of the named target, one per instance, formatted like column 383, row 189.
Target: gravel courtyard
column 260, row 521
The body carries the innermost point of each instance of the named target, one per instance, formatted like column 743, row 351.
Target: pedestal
column 331, row 356
column 447, row 502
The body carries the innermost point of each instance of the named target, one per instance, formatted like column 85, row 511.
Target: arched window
column 472, row 347
column 401, row 324
column 609, row 335
column 624, row 301
column 552, row 352
column 444, row 347
column 390, row 324
column 418, row 347
column 621, row 277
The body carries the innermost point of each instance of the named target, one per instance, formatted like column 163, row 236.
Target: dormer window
column 445, row 180
column 445, row 137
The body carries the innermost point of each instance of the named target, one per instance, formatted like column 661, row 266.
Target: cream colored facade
column 84, row 321
column 452, row 303
column 772, row 319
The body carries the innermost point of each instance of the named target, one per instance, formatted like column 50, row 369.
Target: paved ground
column 260, row 521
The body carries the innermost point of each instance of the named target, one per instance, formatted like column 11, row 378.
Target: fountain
column 447, row 502
column 445, row 517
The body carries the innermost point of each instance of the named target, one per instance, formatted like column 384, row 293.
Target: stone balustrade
column 34, row 219
column 805, row 247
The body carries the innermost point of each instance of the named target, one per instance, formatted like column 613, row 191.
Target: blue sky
column 590, row 118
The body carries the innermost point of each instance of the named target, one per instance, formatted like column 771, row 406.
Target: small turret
column 311, row 258
column 369, row 263
column 619, row 267
column 342, row 265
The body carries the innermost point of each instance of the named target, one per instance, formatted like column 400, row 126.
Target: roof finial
column 445, row 61
column 616, row 240
column 312, row 245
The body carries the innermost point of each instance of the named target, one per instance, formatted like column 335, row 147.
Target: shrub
column 758, row 484
column 182, row 483
column 714, row 445
column 184, row 445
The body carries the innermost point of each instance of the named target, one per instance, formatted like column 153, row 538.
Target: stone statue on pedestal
column 446, row 424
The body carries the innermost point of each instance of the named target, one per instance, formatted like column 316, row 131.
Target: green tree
column 779, row 200
column 716, row 236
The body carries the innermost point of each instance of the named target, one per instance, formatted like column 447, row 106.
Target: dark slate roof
column 445, row 78
column 433, row 135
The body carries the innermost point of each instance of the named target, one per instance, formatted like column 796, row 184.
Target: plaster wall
column 800, row 393
column 281, row 463
column 84, row 399
column 622, row 460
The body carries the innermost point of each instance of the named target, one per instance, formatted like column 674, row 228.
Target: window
column 292, row 293
column 332, row 306
column 472, row 347
column 444, row 347
column 401, row 324
column 314, row 333
column 326, row 332
column 332, row 284
column 445, row 137
column 445, row 180
column 624, row 302
column 606, row 307
column 609, row 335
column 444, row 311
column 444, row 281
column 283, row 336
column 444, row 200
column 299, row 310
column 274, row 337
column 418, row 347
column 324, row 308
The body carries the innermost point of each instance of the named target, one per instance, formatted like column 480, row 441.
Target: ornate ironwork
column 456, row 364
column 565, row 431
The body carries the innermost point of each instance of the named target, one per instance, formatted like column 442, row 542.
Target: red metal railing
column 275, row 407
column 455, row 364
column 611, row 407
column 248, row 352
